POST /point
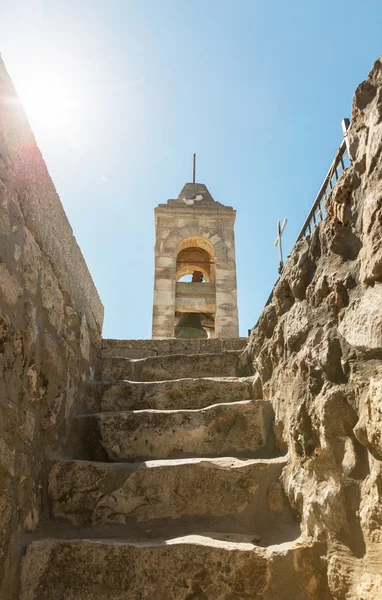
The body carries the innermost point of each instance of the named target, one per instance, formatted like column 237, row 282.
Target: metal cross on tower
column 280, row 229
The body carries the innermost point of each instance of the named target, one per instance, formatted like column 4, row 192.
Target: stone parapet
column 146, row 348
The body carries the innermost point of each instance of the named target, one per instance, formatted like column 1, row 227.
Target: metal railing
column 318, row 211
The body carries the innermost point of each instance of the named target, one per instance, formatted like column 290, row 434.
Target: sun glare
column 51, row 101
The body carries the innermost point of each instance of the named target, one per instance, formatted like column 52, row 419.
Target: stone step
column 167, row 395
column 194, row 567
column 246, row 492
column 172, row 366
column 145, row 348
column 236, row 428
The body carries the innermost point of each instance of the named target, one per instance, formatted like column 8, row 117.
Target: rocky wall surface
column 317, row 354
column 50, row 328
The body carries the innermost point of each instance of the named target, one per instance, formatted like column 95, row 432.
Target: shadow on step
column 162, row 530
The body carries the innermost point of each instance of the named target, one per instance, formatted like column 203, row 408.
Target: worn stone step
column 247, row 492
column 145, row 348
column 172, row 366
column 237, row 428
column 167, row 395
column 196, row 567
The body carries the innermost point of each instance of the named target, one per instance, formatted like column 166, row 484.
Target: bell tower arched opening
column 195, row 300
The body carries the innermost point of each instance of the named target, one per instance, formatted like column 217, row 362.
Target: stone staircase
column 172, row 490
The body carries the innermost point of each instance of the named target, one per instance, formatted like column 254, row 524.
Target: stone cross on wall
column 280, row 230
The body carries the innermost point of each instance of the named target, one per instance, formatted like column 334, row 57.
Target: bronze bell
column 190, row 326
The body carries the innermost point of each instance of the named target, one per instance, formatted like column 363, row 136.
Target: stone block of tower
column 195, row 235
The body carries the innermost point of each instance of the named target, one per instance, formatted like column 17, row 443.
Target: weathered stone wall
column 50, row 327
column 317, row 351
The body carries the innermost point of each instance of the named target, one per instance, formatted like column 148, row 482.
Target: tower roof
column 194, row 191
column 195, row 195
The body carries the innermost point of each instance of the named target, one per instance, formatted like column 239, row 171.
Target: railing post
column 345, row 124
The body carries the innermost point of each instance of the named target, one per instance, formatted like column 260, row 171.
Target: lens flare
column 52, row 102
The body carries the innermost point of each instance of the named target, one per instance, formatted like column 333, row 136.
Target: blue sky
column 121, row 93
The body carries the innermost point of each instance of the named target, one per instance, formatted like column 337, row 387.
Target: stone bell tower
column 195, row 236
